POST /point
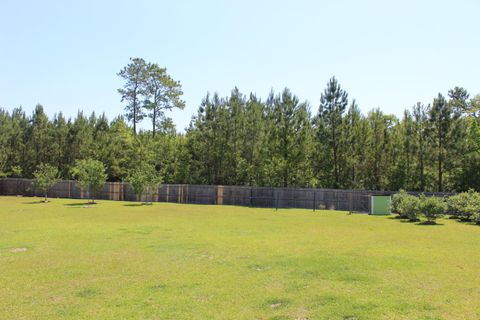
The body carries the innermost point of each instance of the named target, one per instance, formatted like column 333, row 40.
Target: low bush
column 476, row 218
column 465, row 205
column 395, row 204
column 409, row 207
column 432, row 208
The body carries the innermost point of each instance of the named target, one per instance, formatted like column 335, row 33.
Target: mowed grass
column 119, row 260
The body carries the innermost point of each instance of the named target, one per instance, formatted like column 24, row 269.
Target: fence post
column 276, row 198
column 314, row 196
column 186, row 194
column 350, row 202
column 250, row 196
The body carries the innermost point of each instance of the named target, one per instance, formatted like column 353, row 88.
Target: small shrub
column 409, row 207
column 395, row 204
column 90, row 175
column 46, row 176
column 465, row 205
column 476, row 218
column 453, row 203
column 144, row 180
column 432, row 208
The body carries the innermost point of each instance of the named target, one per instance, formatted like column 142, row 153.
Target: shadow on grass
column 429, row 224
column 416, row 222
column 396, row 217
column 468, row 222
column 79, row 204
column 408, row 221
column 139, row 204
column 35, row 202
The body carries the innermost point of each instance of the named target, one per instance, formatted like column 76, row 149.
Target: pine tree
column 290, row 119
column 162, row 92
column 333, row 102
column 134, row 74
column 352, row 143
column 440, row 117
column 420, row 136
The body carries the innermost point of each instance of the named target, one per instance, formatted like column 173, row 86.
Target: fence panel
column 262, row 197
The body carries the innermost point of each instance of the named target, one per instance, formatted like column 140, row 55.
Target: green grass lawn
column 119, row 260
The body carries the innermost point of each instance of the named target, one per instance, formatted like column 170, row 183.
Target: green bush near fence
column 465, row 206
column 408, row 207
column 396, row 203
column 432, row 208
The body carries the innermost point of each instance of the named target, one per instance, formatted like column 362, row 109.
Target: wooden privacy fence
column 332, row 199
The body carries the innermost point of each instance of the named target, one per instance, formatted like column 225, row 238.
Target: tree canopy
column 148, row 91
column 242, row 139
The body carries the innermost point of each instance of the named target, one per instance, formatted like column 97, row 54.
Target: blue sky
column 386, row 54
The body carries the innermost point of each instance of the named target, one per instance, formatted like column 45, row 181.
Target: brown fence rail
column 332, row 199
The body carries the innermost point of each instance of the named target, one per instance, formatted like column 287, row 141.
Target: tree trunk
column 353, row 176
column 154, row 119
column 285, row 158
column 335, row 165
column 135, row 112
column 154, row 116
column 134, row 120
column 422, row 175
column 91, row 197
column 440, row 173
column 421, row 154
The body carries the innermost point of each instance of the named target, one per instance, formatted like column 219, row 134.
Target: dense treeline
column 279, row 141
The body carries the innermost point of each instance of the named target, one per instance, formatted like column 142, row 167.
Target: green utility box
column 380, row 205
